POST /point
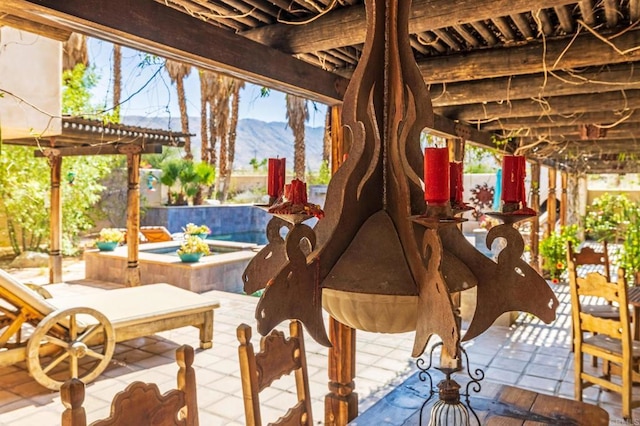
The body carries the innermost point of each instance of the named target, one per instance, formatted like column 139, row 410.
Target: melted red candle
column 456, row 187
column 298, row 192
column 436, row 175
column 276, row 176
column 513, row 172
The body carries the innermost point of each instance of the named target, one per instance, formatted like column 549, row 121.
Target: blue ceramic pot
column 190, row 257
column 107, row 245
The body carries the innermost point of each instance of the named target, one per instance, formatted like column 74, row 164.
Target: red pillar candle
column 513, row 171
column 276, row 176
column 436, row 175
column 456, row 187
column 298, row 192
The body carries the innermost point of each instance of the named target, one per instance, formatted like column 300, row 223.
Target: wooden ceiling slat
column 505, row 29
column 467, row 35
column 586, row 10
column 523, row 25
column 201, row 12
column 417, row 46
column 482, row 29
column 256, row 12
column 266, row 7
column 448, row 39
column 585, row 50
column 594, row 80
column 322, row 33
column 601, row 117
column 634, row 10
column 224, row 14
column 611, row 12
column 565, row 18
column 575, row 130
column 614, row 101
column 545, row 22
column 430, row 40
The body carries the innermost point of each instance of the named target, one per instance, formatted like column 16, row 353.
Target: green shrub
column 607, row 217
column 553, row 250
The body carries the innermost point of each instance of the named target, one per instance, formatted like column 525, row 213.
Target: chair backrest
column 596, row 285
column 141, row 403
column 588, row 256
column 278, row 356
column 156, row 234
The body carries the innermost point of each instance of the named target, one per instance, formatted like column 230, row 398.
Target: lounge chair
column 155, row 234
column 75, row 336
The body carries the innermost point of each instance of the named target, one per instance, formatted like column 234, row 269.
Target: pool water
column 173, row 251
column 254, row 237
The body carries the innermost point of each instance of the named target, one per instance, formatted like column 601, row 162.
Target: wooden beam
column 155, row 28
column 573, row 132
column 603, row 117
column 110, row 149
column 55, row 219
column 346, row 26
column 582, row 51
column 34, row 27
column 535, row 221
column 449, row 128
column 612, row 101
column 551, row 201
column 561, row 83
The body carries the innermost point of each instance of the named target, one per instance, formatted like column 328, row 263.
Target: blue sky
column 152, row 93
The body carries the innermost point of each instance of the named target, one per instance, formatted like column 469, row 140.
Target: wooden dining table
column 495, row 404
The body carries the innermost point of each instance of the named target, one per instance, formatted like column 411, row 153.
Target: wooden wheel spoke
column 57, row 342
column 94, row 354
column 90, row 332
column 55, row 362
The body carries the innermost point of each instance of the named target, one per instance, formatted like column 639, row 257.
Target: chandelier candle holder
column 514, row 204
column 276, row 178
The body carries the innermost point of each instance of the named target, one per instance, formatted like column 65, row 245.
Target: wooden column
column 55, row 224
column 535, row 221
column 563, row 198
column 341, row 403
column 133, row 153
column 551, row 202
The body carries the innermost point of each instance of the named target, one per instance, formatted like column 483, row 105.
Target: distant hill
column 255, row 138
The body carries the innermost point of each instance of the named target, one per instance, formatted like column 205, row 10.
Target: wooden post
column 551, row 202
column 338, row 148
column 535, row 221
column 341, row 403
column 55, row 253
column 133, row 212
column 563, row 198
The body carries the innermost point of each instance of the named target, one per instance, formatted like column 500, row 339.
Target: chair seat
column 602, row 311
column 610, row 345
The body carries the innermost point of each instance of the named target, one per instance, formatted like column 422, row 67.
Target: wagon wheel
column 48, row 353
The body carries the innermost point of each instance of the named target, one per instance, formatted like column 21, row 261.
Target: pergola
column 552, row 80
column 92, row 137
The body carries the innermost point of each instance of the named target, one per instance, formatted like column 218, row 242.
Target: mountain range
column 255, row 139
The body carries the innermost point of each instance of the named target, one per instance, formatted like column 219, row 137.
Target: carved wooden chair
column 590, row 260
column 278, row 356
column 609, row 339
column 141, row 404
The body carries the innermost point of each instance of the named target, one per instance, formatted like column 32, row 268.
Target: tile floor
column 530, row 354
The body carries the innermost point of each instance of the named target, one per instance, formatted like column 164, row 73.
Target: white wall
column 30, row 84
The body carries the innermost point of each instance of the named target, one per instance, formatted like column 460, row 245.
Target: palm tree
column 297, row 116
column 236, row 86
column 222, row 128
column 177, row 72
column 117, row 81
column 326, row 138
column 74, row 52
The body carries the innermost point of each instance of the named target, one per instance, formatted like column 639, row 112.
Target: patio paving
column 529, row 354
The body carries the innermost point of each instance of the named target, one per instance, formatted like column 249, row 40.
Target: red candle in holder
column 513, row 171
column 276, row 176
column 298, row 192
column 436, row 175
column 456, row 187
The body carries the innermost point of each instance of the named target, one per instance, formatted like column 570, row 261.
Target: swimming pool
column 173, row 250
column 253, row 237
